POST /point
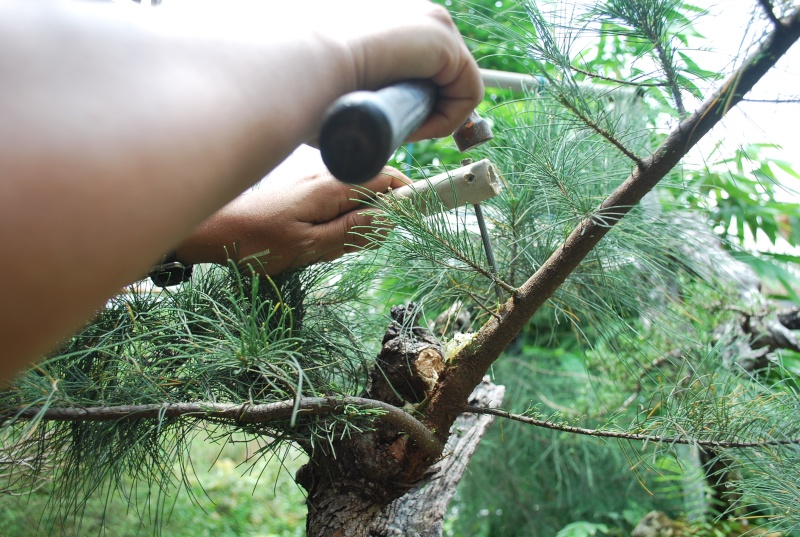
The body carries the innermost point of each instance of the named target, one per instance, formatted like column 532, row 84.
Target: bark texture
column 353, row 482
column 421, row 512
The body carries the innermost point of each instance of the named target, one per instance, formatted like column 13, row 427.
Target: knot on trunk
column 377, row 466
column 409, row 363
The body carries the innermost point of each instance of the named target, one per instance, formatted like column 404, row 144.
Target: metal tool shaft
column 487, row 246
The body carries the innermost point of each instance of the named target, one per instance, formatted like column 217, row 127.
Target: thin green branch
column 404, row 209
column 672, row 78
column 245, row 413
column 718, row 444
column 617, row 80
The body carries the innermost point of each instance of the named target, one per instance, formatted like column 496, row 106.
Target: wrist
column 214, row 241
column 170, row 271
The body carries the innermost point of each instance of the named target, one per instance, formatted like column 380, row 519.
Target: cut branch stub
column 349, row 483
column 409, row 363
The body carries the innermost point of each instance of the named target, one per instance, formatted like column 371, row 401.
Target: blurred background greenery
column 226, row 497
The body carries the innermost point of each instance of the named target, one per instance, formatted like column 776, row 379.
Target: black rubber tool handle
column 362, row 129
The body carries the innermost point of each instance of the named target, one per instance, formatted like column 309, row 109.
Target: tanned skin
column 126, row 135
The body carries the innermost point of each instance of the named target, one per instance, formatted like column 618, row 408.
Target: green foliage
column 224, row 497
column 549, row 479
column 638, row 307
column 223, row 338
column 744, row 196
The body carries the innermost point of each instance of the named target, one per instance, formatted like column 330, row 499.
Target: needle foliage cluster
column 224, row 337
column 643, row 335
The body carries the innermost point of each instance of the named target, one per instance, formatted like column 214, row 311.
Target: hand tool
column 487, row 244
column 362, row 129
column 471, row 183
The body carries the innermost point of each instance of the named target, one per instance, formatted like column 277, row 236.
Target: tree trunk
column 347, row 503
column 421, row 512
column 385, row 481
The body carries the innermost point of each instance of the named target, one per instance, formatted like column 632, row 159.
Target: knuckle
column 441, row 14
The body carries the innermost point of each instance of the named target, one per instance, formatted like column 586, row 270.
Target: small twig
column 458, row 254
column 238, row 413
column 601, row 131
column 773, row 101
column 672, row 79
column 618, row 81
column 719, row 444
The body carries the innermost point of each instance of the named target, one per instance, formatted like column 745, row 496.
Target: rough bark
column 351, row 481
column 421, row 512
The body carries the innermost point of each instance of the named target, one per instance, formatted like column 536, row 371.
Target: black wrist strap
column 170, row 271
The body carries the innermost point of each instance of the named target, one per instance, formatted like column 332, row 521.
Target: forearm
column 136, row 136
column 119, row 137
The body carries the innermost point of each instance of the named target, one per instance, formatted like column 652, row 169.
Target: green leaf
column 786, row 167
column 794, row 230
column 773, row 272
column 696, row 70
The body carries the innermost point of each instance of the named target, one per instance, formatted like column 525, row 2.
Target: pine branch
column 717, row 444
column 589, row 122
column 650, row 20
column 773, row 101
column 469, row 366
column 245, row 413
column 413, row 217
column 672, row 78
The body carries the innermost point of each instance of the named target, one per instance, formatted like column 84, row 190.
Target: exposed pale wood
column 421, row 512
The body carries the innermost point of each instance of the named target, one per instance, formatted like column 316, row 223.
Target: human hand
column 388, row 42
column 352, row 45
column 287, row 224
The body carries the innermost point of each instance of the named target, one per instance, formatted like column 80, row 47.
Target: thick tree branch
column 621, row 435
column 421, row 511
column 469, row 366
column 244, row 413
column 769, row 10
